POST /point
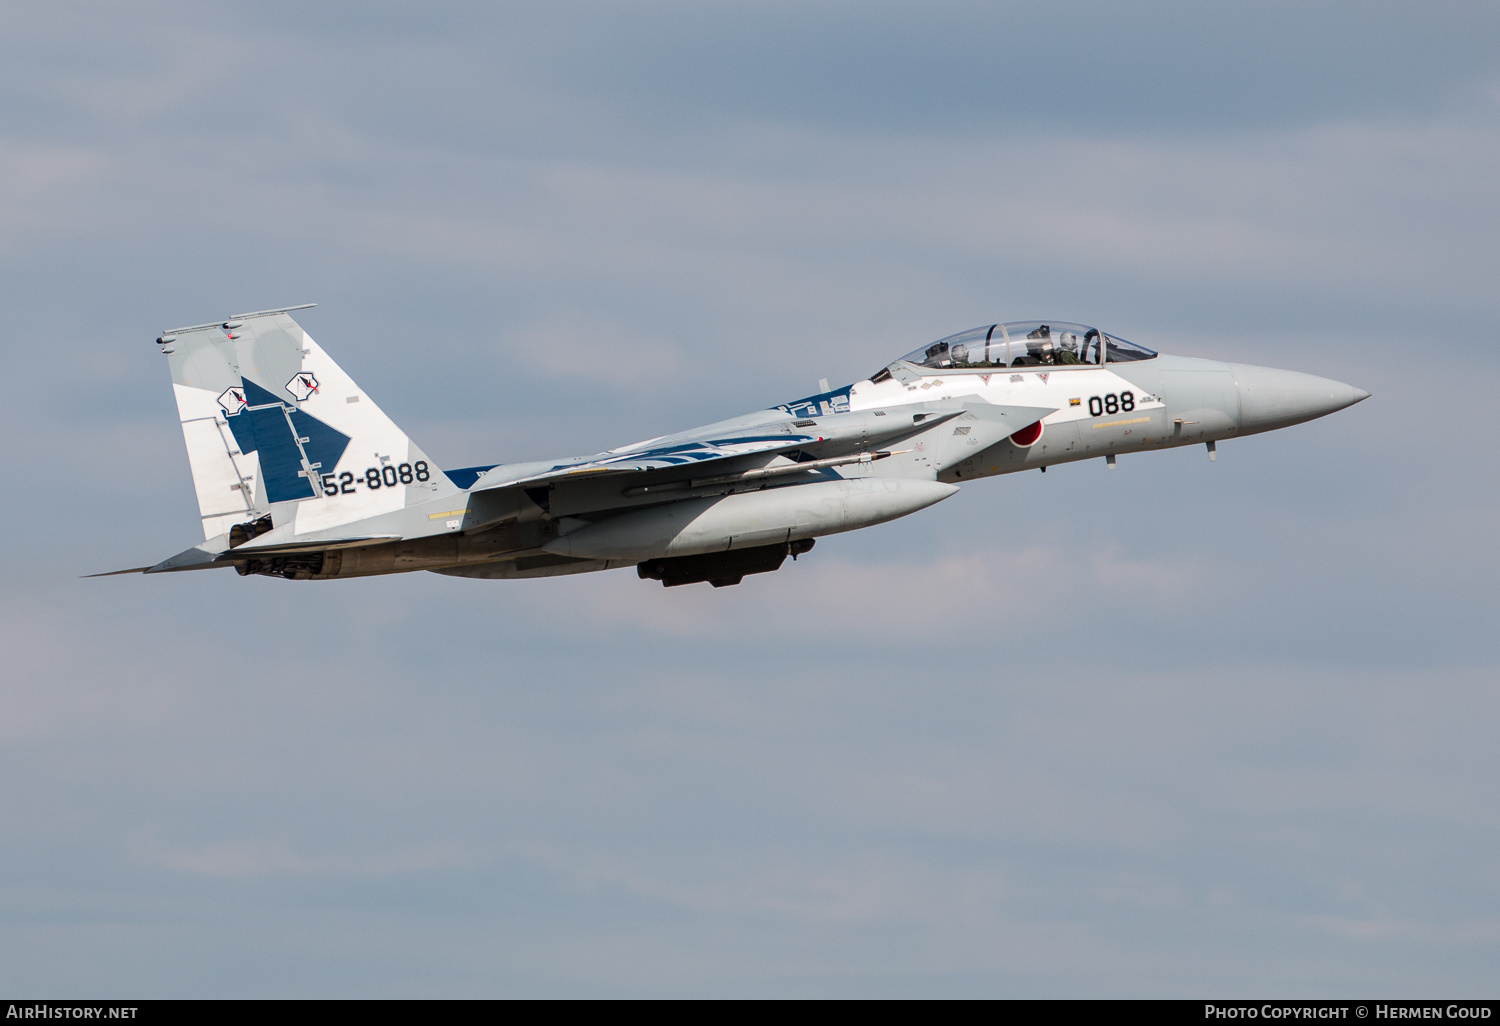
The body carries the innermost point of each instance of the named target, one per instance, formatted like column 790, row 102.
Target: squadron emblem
column 233, row 401
column 302, row 385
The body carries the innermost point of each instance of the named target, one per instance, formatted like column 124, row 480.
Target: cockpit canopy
column 1026, row 344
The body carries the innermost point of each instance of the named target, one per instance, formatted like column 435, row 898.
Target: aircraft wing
column 826, row 435
column 661, row 457
column 729, row 453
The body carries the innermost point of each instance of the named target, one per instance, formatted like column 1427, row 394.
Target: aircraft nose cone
column 1272, row 398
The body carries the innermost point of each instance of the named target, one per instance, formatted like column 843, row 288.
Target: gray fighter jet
column 300, row 475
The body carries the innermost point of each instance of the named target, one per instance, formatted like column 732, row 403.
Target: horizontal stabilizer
column 323, row 545
column 199, row 557
column 117, row 573
column 207, row 557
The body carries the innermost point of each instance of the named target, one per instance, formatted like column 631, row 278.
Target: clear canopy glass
column 1026, row 344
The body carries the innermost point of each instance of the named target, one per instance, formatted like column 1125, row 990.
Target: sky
column 1180, row 729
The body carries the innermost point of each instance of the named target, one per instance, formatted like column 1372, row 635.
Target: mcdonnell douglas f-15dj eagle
column 299, row 475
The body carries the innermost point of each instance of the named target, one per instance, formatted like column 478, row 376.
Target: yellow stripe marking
column 450, row 513
column 1117, row 423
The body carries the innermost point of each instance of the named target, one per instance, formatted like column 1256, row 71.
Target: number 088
column 1122, row 403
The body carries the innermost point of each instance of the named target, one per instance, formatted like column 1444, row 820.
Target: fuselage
column 299, row 475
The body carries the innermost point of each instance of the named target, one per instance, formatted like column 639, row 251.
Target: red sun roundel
column 1027, row 436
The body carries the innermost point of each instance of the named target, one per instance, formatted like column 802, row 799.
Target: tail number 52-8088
column 387, row 476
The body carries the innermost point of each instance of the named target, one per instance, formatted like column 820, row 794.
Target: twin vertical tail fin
column 277, row 433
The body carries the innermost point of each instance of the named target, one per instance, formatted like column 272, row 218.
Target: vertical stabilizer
column 274, row 427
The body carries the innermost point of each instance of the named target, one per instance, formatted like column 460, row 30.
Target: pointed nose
column 1271, row 398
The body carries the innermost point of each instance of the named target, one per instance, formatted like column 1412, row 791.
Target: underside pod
column 749, row 519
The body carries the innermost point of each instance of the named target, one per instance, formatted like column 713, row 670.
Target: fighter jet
column 301, row 476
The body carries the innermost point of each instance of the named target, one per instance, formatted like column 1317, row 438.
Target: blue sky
column 1181, row 729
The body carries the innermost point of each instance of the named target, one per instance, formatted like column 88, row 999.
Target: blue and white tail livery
column 273, row 425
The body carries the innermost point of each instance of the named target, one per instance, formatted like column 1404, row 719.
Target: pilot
column 1041, row 350
column 1067, row 349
